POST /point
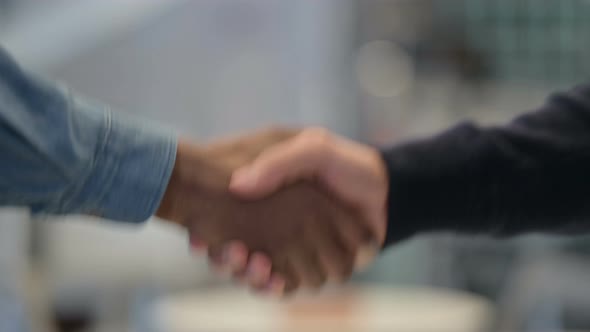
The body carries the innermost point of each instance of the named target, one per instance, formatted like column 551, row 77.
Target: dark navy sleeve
column 532, row 175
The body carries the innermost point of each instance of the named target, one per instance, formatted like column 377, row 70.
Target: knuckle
column 317, row 142
column 317, row 136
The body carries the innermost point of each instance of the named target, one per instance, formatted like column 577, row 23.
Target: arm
column 531, row 175
column 60, row 155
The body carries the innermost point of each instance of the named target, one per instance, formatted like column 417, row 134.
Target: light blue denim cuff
column 138, row 162
column 130, row 172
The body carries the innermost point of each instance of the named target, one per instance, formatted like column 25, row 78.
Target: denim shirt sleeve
column 62, row 155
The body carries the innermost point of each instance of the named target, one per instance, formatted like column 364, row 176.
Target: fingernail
column 235, row 261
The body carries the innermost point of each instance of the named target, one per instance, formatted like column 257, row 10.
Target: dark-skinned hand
column 306, row 233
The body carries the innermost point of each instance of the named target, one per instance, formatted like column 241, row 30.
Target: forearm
column 63, row 156
column 531, row 175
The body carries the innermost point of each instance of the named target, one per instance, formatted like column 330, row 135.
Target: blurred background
column 379, row 71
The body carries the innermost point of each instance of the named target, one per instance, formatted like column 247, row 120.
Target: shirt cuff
column 130, row 172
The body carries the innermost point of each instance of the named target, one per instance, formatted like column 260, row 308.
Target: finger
column 276, row 286
column 294, row 159
column 353, row 230
column 235, row 254
column 259, row 270
column 240, row 276
column 335, row 256
column 230, row 258
column 307, row 266
column 291, row 279
column 365, row 256
column 356, row 235
column 216, row 260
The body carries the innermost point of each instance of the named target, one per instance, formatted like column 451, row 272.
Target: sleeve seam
column 110, row 163
column 69, row 196
column 165, row 178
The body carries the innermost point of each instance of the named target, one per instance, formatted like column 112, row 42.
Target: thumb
column 245, row 181
column 277, row 166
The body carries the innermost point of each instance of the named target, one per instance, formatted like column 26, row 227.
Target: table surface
column 368, row 308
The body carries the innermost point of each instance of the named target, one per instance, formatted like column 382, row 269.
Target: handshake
column 281, row 209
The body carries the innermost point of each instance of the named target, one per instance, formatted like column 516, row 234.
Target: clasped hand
column 280, row 209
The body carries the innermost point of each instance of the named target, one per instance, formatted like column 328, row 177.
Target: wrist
column 195, row 173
